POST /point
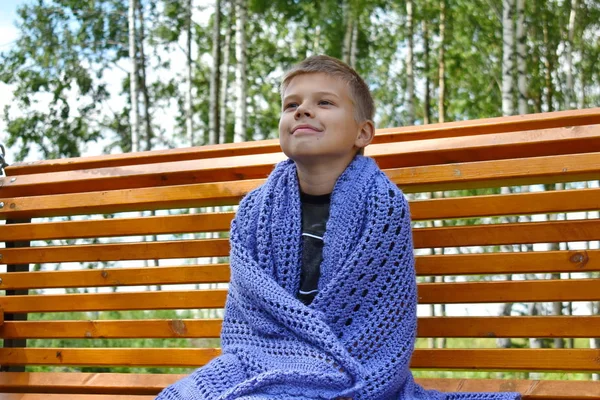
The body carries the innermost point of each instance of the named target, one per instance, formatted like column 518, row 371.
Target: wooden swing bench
column 491, row 153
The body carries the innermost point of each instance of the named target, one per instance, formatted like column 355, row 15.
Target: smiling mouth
column 305, row 129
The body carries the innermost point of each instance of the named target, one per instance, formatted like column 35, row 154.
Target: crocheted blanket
column 356, row 338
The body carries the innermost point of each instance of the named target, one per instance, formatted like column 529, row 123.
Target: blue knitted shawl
column 357, row 337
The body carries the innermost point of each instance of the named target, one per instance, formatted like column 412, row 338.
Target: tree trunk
column 225, row 80
column 570, row 92
column 427, row 105
column 215, row 76
column 142, row 77
column 521, row 57
column 240, row 71
column 316, row 48
column 189, row 112
column 548, row 64
column 410, row 78
column 133, row 84
column 508, row 41
column 348, row 35
column 353, row 47
column 442, row 64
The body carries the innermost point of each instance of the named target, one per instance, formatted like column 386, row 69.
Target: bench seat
column 132, row 250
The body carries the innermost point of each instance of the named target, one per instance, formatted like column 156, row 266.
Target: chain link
column 3, row 162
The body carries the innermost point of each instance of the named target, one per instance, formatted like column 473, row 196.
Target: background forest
column 94, row 76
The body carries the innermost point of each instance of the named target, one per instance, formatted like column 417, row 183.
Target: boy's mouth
column 306, row 128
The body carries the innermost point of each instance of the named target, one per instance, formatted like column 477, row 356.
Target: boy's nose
column 303, row 111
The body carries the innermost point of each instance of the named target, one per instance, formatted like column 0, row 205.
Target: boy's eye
column 325, row 102
column 290, row 105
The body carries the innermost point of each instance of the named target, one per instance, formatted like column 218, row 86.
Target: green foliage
column 62, row 50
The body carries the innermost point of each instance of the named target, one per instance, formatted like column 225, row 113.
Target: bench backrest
column 137, row 232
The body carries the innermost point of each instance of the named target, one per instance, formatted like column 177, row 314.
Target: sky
column 8, row 34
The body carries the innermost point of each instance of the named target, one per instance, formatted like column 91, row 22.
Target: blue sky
column 8, row 15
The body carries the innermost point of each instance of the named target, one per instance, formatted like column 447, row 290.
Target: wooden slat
column 220, row 193
column 210, row 222
column 487, row 126
column 449, row 327
column 530, row 389
column 216, row 273
column 429, row 293
column 162, row 300
column 510, row 291
column 117, row 251
column 185, row 196
column 582, row 360
column 86, row 383
column 139, row 357
column 390, row 155
column 497, row 234
column 144, row 176
column 509, row 327
column 511, row 204
column 121, row 329
column 538, row 143
column 62, row 396
column 448, row 264
column 151, row 384
column 557, row 231
column 486, row 174
column 509, row 263
column 494, row 125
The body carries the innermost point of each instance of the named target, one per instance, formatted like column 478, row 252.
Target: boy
column 322, row 298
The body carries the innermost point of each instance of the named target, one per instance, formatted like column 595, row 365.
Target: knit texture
column 356, row 338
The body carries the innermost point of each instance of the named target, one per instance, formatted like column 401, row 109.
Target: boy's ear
column 365, row 134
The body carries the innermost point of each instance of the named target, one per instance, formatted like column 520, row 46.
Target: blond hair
column 364, row 107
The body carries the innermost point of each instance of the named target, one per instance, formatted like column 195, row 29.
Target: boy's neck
column 319, row 178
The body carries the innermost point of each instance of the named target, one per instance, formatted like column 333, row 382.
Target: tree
column 442, row 64
column 410, row 78
column 56, row 67
column 521, row 57
column 189, row 121
column 240, row 72
column 508, row 40
column 225, row 75
column 215, row 76
column 133, row 80
column 570, row 90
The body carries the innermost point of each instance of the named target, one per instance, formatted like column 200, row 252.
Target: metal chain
column 3, row 163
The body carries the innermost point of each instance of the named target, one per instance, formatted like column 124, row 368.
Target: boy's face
column 317, row 120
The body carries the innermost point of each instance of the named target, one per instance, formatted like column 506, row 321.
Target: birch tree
column 508, row 40
column 213, row 125
column 133, row 80
column 570, row 92
column 426, row 51
column 410, row 78
column 442, row 64
column 225, row 75
column 142, row 77
column 189, row 120
column 521, row 58
column 240, row 71
column 348, row 21
column 354, row 45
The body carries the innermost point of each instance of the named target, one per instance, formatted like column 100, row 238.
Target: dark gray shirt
column 315, row 213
